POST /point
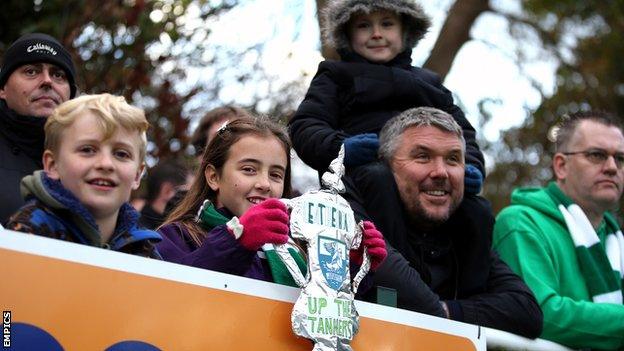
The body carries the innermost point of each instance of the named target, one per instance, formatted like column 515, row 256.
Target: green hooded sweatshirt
column 532, row 237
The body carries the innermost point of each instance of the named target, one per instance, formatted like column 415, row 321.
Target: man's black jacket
column 454, row 262
column 21, row 149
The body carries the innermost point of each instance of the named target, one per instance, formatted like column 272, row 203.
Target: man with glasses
column 565, row 243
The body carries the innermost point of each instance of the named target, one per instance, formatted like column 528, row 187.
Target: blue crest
column 333, row 260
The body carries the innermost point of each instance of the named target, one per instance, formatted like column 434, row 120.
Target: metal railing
column 500, row 340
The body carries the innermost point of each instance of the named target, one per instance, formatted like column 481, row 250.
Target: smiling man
column 564, row 242
column 439, row 257
column 37, row 74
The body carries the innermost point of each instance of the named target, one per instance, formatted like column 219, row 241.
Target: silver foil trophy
column 325, row 311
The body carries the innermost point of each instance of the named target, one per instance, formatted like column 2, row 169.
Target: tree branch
column 454, row 34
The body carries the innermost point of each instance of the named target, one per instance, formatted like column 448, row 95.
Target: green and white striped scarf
column 602, row 267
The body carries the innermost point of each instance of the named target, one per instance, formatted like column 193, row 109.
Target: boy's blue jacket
column 354, row 96
column 54, row 212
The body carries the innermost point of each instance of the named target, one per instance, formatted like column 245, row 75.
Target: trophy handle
column 284, row 255
column 362, row 272
column 366, row 262
column 289, row 261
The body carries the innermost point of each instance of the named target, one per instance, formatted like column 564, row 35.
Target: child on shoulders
column 349, row 101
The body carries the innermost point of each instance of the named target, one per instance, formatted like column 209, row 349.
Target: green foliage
column 587, row 37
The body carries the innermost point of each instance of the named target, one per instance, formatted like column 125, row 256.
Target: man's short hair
column 166, row 171
column 111, row 112
column 567, row 127
column 389, row 136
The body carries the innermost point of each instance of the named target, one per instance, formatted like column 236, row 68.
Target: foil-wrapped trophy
column 325, row 311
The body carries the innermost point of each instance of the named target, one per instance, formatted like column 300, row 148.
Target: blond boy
column 95, row 148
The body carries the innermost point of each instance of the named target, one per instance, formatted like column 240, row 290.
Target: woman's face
column 254, row 171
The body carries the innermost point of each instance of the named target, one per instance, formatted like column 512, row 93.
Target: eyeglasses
column 600, row 156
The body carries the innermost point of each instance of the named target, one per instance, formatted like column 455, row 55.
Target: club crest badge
column 332, row 256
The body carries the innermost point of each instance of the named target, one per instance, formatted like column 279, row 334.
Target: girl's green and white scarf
column 208, row 217
column 602, row 266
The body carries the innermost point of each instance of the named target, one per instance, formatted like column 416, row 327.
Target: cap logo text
column 41, row 47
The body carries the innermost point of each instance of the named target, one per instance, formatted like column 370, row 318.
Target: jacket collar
column 53, row 194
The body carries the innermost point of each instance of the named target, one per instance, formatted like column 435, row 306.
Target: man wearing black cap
column 36, row 75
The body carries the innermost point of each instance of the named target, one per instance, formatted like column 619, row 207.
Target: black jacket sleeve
column 507, row 305
column 412, row 292
column 314, row 127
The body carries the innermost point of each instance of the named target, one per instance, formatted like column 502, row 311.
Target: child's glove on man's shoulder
column 473, row 180
column 360, row 149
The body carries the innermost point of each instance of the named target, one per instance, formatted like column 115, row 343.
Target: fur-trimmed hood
column 337, row 14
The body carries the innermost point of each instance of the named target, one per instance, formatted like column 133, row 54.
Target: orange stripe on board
column 91, row 308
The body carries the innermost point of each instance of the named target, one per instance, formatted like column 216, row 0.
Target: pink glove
column 373, row 240
column 266, row 222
